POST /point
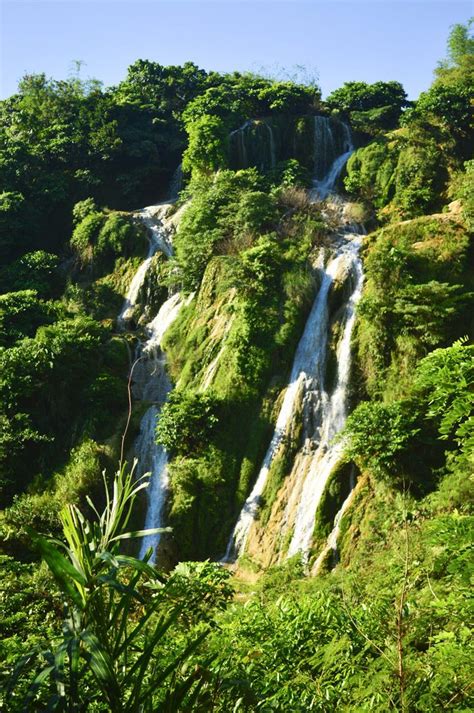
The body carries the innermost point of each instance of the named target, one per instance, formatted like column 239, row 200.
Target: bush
column 225, row 215
column 21, row 313
column 207, row 145
column 186, row 422
column 377, row 434
column 98, row 239
column 201, row 587
column 34, row 271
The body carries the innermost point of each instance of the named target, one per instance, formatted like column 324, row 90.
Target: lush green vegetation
column 85, row 625
column 236, row 339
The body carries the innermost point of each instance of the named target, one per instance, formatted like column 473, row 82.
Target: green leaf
column 141, row 533
column 61, row 568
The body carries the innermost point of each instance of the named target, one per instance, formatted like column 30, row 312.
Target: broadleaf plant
column 115, row 653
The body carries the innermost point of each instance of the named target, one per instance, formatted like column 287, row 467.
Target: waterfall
column 150, row 380
column 324, row 148
column 176, row 183
column 152, row 457
column 271, row 145
column 332, row 147
column 158, row 233
column 334, row 412
column 254, row 145
column 324, row 412
column 305, row 367
column 322, row 188
column 238, row 136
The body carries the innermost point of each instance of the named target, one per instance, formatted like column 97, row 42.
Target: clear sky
column 341, row 41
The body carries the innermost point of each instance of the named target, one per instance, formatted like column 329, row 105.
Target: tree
column 186, row 421
column 207, row 145
column 37, row 271
column 460, row 42
column 21, row 313
column 447, row 377
column 370, row 107
column 377, row 434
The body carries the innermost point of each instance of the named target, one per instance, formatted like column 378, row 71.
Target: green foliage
column 98, row 239
column 44, row 401
column 416, row 297
column 80, row 478
column 85, row 235
column 21, row 313
column 291, row 173
column 258, row 268
column 82, row 209
column 186, row 421
column 114, row 649
column 207, row 149
column 385, row 438
column 377, row 434
column 460, row 41
column 200, row 588
column 16, row 225
column 399, row 178
column 417, row 178
column 34, row 271
column 462, row 189
column 28, row 613
column 224, row 215
column 370, row 107
column 449, row 104
column 289, row 98
column 447, row 376
column 370, row 174
column 236, row 97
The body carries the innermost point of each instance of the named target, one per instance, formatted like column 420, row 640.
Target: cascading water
column 253, row 144
column 332, row 147
column 159, row 239
column 150, row 380
column 272, row 148
column 152, row 457
column 334, row 412
column 176, row 184
column 332, row 139
column 324, row 412
column 305, row 365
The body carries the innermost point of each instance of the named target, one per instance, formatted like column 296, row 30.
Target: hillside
column 282, row 339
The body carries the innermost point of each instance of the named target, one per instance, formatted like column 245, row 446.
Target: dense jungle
column 236, row 392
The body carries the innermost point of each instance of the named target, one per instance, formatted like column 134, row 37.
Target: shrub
column 186, row 421
column 34, row 271
column 377, row 434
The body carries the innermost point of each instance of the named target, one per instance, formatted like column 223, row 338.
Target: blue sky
column 341, row 41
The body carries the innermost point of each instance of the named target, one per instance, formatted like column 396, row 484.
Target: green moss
column 337, row 489
column 416, row 297
column 237, row 338
column 282, row 463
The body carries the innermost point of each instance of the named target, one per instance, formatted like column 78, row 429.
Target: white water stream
column 159, row 236
column 333, row 413
column 324, row 412
column 151, row 382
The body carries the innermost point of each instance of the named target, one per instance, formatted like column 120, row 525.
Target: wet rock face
column 343, row 285
column 316, row 141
